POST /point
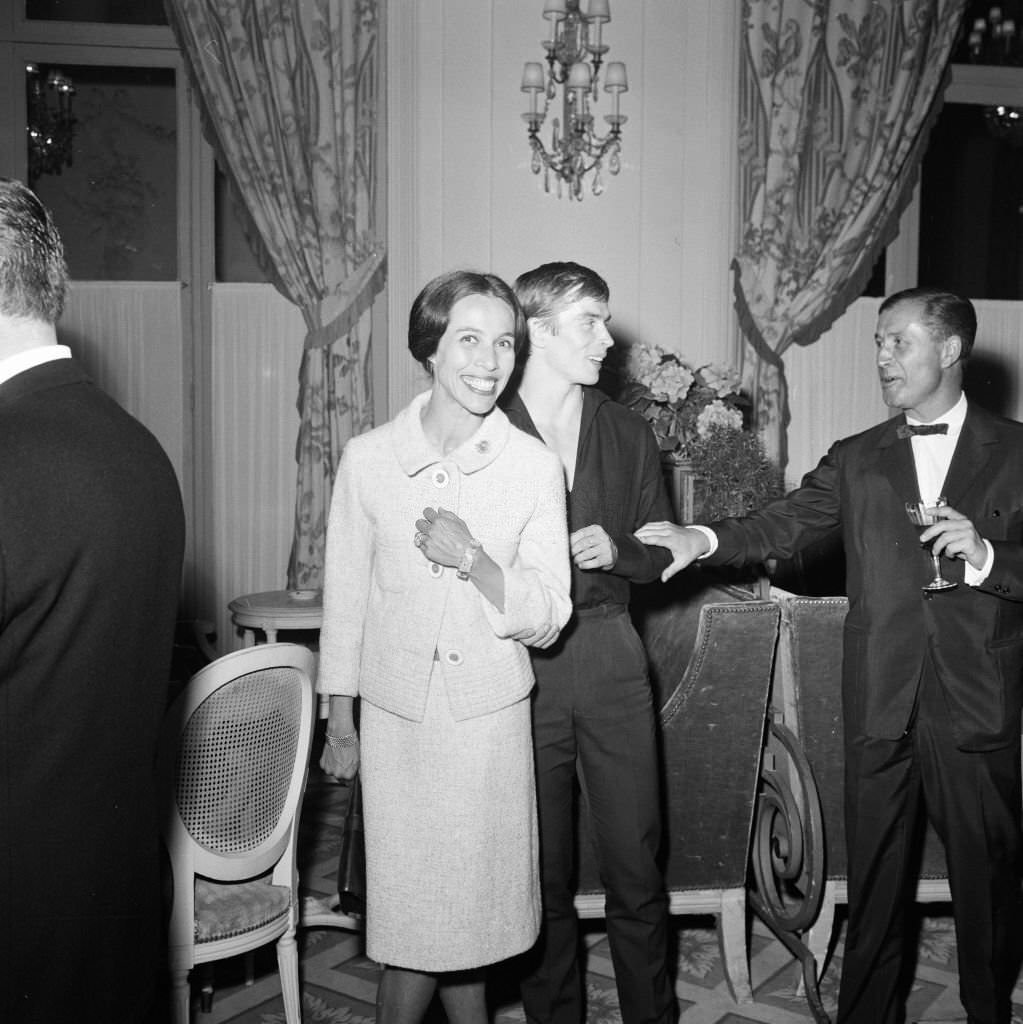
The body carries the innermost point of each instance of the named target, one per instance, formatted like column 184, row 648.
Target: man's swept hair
column 545, row 291
column 944, row 314
column 33, row 274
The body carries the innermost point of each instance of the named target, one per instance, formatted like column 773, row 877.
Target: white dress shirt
column 932, row 454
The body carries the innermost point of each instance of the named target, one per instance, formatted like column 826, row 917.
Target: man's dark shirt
column 618, row 485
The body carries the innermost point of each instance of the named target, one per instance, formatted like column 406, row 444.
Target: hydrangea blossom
column 681, row 402
column 671, row 382
column 722, row 380
column 717, row 414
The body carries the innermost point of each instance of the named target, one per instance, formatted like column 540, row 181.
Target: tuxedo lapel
column 895, row 461
column 977, row 445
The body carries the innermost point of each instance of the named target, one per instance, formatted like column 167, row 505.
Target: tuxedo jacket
column 91, row 539
column 974, row 635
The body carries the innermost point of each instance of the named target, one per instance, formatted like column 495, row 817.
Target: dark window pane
column 971, row 206
column 991, row 33
column 876, row 285
column 109, row 12
column 116, row 204
column 235, row 260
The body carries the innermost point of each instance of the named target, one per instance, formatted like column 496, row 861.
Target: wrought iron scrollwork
column 787, row 853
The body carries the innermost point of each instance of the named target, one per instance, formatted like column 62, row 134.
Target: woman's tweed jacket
column 387, row 609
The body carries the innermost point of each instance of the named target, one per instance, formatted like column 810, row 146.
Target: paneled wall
column 257, row 348
column 129, row 338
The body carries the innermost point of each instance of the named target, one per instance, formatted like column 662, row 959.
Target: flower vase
column 681, row 480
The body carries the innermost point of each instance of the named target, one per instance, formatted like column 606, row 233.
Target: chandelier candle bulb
column 579, row 76
column 532, row 76
column 615, row 78
column 599, row 10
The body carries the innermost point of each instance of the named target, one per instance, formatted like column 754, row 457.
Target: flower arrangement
column 681, row 402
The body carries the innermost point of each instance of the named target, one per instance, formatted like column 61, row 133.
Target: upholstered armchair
column 711, row 663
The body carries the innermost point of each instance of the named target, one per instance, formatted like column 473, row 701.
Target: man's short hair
column 548, row 289
column 944, row 314
column 33, row 274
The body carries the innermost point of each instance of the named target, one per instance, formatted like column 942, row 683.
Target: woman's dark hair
column 33, row 274
column 431, row 311
column 944, row 314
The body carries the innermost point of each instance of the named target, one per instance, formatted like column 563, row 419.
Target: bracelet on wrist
column 337, row 743
column 465, row 566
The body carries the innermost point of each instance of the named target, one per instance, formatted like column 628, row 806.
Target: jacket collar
column 414, row 452
column 53, row 374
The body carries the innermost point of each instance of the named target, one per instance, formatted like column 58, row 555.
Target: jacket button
column 436, row 570
column 453, row 657
column 440, row 478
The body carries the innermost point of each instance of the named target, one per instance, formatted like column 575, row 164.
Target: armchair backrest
column 809, row 686
column 712, row 726
column 233, row 760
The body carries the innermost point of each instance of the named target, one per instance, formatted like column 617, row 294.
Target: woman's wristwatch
column 468, row 559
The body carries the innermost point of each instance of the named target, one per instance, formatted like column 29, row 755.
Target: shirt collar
column 954, row 417
column 31, row 357
column 415, row 452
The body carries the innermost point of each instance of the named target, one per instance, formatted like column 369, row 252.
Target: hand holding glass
column 921, row 516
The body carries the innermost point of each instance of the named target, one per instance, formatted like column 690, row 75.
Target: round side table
column 274, row 610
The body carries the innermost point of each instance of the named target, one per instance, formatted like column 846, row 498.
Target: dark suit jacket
column 975, row 635
column 91, row 539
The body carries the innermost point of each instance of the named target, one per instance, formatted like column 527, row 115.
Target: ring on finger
column 420, row 539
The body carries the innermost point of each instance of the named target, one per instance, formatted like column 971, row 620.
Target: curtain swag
column 289, row 90
column 837, row 98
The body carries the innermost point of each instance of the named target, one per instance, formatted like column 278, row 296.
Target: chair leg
column 206, row 988
column 180, row 996
column 287, row 967
column 734, row 951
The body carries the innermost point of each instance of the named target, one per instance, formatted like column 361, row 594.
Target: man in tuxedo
column 932, row 682
column 91, row 540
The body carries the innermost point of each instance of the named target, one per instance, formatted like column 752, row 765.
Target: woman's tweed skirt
column 451, row 835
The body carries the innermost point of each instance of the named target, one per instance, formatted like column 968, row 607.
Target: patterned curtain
column 289, row 92
column 837, row 98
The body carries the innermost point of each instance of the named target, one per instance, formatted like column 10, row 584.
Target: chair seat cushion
column 224, row 909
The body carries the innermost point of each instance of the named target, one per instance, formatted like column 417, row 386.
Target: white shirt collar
column 29, row 358
column 954, row 417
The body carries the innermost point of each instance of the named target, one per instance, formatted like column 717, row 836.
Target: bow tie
column 909, row 429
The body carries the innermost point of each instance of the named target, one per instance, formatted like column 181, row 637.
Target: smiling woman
column 453, row 516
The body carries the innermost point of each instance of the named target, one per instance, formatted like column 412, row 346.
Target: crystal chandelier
column 575, row 54
column 50, row 127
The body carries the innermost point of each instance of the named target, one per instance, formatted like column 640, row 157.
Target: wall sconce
column 50, row 128
column 575, row 54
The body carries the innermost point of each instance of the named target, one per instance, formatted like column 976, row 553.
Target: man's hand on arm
column 685, row 544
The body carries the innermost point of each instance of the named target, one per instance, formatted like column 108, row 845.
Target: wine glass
column 921, row 517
